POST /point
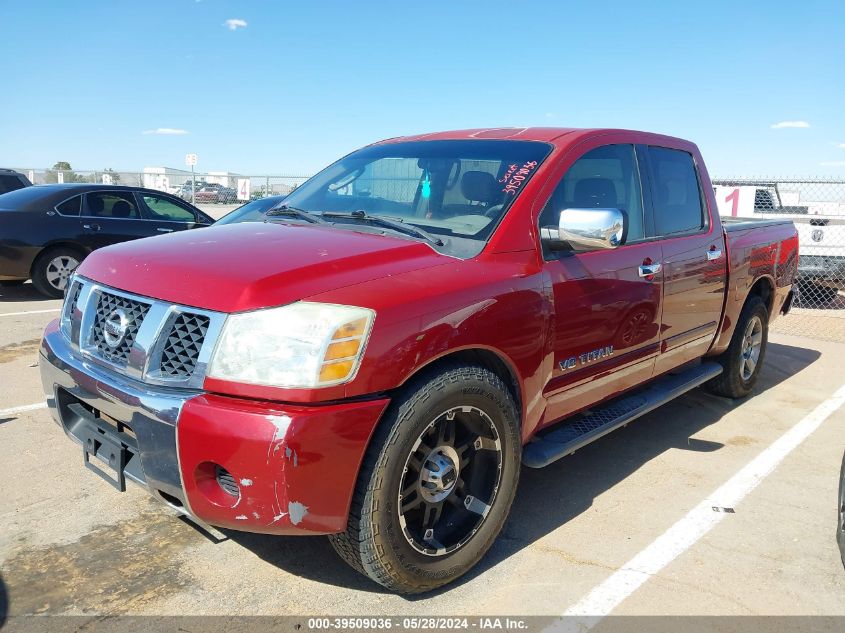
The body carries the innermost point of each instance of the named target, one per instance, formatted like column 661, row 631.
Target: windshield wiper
column 285, row 210
column 387, row 223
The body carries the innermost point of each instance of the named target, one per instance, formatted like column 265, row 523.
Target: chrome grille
column 73, row 297
column 69, row 307
column 183, row 344
column 135, row 312
column 162, row 344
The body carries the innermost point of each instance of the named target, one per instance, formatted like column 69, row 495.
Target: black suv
column 10, row 180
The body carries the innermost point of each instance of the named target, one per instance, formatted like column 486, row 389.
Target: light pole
column 191, row 159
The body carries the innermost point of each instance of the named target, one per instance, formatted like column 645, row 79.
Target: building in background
column 164, row 178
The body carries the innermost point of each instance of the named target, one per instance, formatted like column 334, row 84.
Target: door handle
column 649, row 270
column 713, row 254
column 161, row 230
column 91, row 227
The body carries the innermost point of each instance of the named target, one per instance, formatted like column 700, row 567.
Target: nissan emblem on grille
column 115, row 327
column 110, row 326
column 116, row 323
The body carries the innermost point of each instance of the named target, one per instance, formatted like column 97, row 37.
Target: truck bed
column 732, row 224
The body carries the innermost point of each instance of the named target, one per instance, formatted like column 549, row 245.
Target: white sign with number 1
column 735, row 201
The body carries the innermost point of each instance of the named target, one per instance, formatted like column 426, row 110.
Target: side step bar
column 573, row 434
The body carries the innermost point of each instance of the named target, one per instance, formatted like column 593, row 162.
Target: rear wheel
column 744, row 357
column 437, row 482
column 52, row 270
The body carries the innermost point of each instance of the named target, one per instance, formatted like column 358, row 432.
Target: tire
column 52, row 269
column 414, row 434
column 736, row 381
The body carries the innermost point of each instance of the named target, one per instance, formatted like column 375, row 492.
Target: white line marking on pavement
column 21, row 409
column 30, row 312
column 701, row 519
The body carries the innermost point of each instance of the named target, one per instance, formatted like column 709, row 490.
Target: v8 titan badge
column 586, row 357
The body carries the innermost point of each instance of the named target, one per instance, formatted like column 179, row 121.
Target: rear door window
column 677, row 200
column 111, row 204
column 71, row 206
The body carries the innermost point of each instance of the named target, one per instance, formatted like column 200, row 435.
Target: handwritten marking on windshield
column 515, row 177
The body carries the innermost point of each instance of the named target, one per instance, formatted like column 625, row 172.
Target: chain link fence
column 202, row 188
column 817, row 207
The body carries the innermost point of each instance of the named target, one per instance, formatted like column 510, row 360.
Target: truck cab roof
column 554, row 135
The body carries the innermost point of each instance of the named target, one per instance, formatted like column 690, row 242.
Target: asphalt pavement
column 70, row 544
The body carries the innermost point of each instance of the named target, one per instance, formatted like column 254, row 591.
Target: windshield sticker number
column 515, row 177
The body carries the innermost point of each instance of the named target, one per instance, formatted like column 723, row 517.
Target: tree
column 52, row 175
column 100, row 176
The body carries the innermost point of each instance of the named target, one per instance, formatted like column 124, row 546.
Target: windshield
column 252, row 211
column 455, row 190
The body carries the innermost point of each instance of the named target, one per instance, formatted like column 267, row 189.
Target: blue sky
column 290, row 86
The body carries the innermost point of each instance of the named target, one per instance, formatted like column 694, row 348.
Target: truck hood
column 253, row 265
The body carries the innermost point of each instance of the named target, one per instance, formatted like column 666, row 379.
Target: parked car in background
column 227, row 195
column 47, row 230
column 748, row 199
column 11, row 180
column 254, row 211
column 411, row 326
column 821, row 271
column 821, row 268
column 185, row 190
column 216, row 193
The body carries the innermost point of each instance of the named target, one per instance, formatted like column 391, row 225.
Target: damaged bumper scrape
column 229, row 462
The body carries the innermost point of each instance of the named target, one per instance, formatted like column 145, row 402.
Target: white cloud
column 166, row 131
column 833, row 163
column 840, row 145
column 784, row 124
column 235, row 23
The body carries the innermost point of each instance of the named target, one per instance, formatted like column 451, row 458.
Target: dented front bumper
column 290, row 469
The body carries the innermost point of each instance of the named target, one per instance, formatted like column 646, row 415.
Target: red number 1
column 734, row 198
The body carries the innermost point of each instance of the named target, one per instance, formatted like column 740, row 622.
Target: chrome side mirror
column 586, row 230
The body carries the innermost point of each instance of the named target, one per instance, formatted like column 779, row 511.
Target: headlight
column 296, row 346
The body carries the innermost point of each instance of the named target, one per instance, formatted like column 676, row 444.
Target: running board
column 574, row 434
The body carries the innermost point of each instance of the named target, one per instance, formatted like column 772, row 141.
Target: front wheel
column 437, row 482
column 743, row 359
column 52, row 270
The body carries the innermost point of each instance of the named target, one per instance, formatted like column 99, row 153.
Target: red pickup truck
column 378, row 358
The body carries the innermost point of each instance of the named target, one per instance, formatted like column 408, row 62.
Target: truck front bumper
column 229, row 462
